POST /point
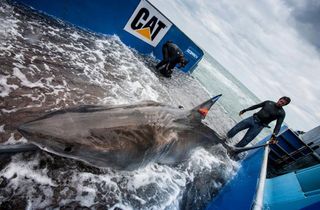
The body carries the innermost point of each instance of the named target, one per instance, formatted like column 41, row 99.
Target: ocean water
column 46, row 65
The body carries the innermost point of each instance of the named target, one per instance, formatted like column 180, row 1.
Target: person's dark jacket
column 269, row 112
column 171, row 56
column 174, row 54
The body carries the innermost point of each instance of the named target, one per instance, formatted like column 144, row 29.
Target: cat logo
column 147, row 24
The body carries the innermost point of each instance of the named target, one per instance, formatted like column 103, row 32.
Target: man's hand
column 181, row 65
column 273, row 139
column 241, row 112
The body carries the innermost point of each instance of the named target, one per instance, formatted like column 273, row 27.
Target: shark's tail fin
column 202, row 110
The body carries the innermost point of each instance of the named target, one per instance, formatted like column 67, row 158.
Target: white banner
column 147, row 24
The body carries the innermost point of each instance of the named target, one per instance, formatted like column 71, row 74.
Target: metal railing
column 258, row 201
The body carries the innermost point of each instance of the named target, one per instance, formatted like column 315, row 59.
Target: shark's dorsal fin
column 202, row 110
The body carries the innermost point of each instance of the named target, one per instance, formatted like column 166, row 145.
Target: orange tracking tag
column 203, row 111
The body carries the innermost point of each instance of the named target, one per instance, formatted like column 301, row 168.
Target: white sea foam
column 6, row 88
column 22, row 170
column 24, row 81
column 8, row 111
column 75, row 36
column 2, row 128
column 12, row 140
column 8, row 26
column 121, row 206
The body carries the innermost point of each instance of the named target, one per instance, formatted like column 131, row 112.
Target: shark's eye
column 68, row 148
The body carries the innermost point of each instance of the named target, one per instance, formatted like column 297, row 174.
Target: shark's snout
column 31, row 129
column 38, row 136
column 24, row 130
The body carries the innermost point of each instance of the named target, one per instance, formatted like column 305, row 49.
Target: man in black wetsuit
column 270, row 111
column 172, row 55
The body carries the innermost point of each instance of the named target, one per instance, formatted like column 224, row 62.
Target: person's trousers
column 254, row 128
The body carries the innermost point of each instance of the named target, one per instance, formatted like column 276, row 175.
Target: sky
column 271, row 46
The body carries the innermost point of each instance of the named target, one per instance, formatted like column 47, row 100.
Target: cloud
column 306, row 16
column 258, row 42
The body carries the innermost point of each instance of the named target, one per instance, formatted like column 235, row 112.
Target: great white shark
column 123, row 136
